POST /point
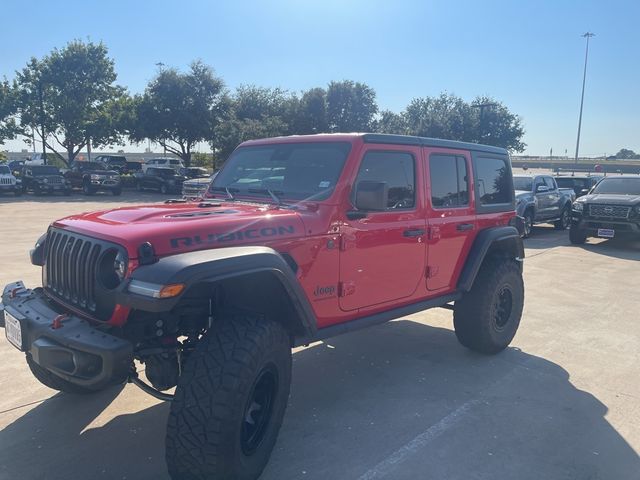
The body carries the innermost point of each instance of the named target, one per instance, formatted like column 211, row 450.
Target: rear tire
column 577, row 236
column 230, row 401
column 487, row 317
column 50, row 380
column 565, row 219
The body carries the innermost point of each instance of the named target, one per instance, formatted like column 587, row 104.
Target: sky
column 527, row 54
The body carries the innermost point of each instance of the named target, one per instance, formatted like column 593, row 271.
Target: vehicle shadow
column 355, row 400
column 544, row 237
column 624, row 248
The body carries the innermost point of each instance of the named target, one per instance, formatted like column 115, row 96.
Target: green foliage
column 8, row 109
column 484, row 120
column 627, row 154
column 351, row 106
column 72, row 92
column 179, row 110
column 3, row 156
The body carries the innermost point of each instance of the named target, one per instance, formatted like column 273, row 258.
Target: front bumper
column 105, row 184
column 69, row 347
column 592, row 225
column 10, row 188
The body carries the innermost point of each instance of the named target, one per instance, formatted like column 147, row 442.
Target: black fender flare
column 219, row 264
column 506, row 238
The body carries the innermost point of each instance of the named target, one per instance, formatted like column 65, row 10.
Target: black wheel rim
column 259, row 409
column 502, row 308
column 565, row 219
column 528, row 224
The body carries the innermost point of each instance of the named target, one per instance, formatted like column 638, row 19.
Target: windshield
column 4, row 170
column 117, row 160
column 295, row 171
column 523, row 183
column 166, row 172
column 45, row 171
column 620, row 186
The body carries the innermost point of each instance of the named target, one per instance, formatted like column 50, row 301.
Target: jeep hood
column 612, row 199
column 183, row 227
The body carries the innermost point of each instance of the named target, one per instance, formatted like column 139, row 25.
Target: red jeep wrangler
column 298, row 239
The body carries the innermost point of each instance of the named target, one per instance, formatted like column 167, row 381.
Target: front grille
column 70, row 272
column 54, row 180
column 609, row 211
column 191, row 190
column 6, row 181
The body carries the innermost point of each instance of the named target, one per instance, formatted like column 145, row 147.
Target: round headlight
column 45, row 180
column 120, row 265
column 578, row 206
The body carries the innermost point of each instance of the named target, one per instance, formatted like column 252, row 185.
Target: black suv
column 41, row 179
column 580, row 184
column 163, row 179
column 611, row 209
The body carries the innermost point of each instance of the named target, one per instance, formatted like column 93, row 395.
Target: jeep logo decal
column 248, row 234
column 327, row 291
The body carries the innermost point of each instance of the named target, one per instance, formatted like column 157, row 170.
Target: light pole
column 587, row 35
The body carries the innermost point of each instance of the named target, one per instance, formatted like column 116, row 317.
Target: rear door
column 452, row 221
column 382, row 255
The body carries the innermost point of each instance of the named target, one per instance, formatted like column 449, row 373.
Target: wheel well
column 507, row 248
column 261, row 293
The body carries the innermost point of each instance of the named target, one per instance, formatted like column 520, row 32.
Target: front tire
column 50, row 380
column 230, row 401
column 577, row 236
column 565, row 219
column 116, row 192
column 86, row 189
column 487, row 317
column 528, row 223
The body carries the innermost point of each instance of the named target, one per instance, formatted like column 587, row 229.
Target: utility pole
column 587, row 35
column 42, row 131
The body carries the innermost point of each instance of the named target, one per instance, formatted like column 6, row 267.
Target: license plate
column 606, row 232
column 13, row 330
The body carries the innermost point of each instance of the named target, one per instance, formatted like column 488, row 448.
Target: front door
column 382, row 255
column 452, row 222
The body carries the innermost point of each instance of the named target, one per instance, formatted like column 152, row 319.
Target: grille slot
column 70, row 272
column 609, row 211
column 6, row 181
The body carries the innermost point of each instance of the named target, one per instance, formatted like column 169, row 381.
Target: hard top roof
column 380, row 138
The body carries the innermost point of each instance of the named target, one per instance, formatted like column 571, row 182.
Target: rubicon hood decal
column 247, row 234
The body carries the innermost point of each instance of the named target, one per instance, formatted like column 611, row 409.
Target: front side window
column 449, row 181
column 290, row 171
column 396, row 169
column 550, row 183
column 494, row 181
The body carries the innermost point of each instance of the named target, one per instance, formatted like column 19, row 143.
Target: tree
column 8, row 109
column 627, row 154
column 447, row 116
column 351, row 107
column 178, row 110
column 391, row 122
column 311, row 115
column 70, row 96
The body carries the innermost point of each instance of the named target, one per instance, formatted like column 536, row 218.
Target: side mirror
column 542, row 188
column 372, row 196
column 584, row 191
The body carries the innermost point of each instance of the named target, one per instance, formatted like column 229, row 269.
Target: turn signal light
column 172, row 290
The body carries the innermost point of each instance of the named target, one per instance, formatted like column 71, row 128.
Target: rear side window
column 397, row 169
column 449, row 181
column 494, row 182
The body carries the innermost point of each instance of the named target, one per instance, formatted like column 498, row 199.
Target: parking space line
column 383, row 468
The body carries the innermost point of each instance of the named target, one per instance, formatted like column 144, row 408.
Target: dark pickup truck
column 92, row 177
column 539, row 200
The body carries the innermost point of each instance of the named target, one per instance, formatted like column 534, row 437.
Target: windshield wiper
column 226, row 190
column 268, row 191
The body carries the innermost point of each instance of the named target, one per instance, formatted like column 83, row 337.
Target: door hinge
column 431, row 271
column 346, row 288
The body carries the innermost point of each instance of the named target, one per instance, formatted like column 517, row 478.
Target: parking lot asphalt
column 400, row 401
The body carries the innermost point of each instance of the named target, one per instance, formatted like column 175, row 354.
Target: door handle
column 463, row 227
column 414, row 233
